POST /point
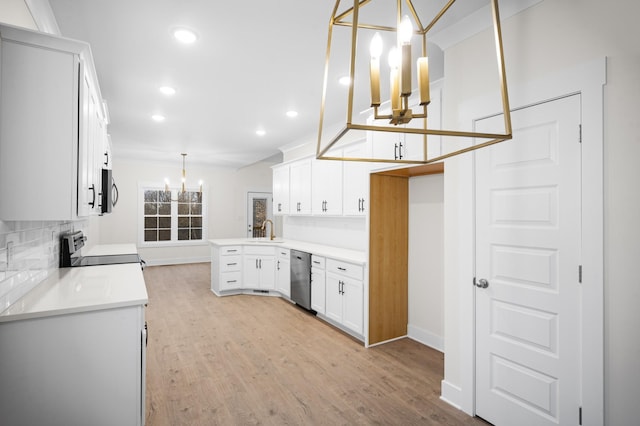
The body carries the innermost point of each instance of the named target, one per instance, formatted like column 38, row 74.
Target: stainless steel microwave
column 109, row 195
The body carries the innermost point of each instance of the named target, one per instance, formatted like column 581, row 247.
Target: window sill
column 156, row 244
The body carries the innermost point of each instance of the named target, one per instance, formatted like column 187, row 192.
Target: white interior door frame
column 588, row 80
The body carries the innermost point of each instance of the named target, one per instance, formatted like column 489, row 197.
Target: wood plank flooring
column 245, row 359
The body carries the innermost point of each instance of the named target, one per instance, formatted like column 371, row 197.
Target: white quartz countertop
column 111, row 250
column 347, row 255
column 81, row 289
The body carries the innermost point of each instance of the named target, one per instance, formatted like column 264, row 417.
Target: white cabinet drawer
column 283, row 254
column 317, row 261
column 230, row 280
column 344, row 268
column 260, row 250
column 230, row 263
column 230, row 250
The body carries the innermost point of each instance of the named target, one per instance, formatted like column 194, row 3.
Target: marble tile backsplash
column 29, row 252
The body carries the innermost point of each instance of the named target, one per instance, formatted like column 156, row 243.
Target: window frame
column 174, row 242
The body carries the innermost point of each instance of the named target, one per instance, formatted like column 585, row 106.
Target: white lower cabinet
column 283, row 271
column 318, row 284
column 344, row 294
column 81, row 368
column 226, row 268
column 259, row 267
column 337, row 287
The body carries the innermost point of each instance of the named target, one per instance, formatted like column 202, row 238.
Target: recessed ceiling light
column 158, row 118
column 184, row 35
column 345, row 80
column 260, row 132
column 166, row 90
column 292, row 113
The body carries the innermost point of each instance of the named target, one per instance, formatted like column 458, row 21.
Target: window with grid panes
column 189, row 215
column 171, row 216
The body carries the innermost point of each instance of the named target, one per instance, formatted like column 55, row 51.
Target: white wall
column 345, row 232
column 426, row 260
column 547, row 39
column 226, row 190
column 16, row 12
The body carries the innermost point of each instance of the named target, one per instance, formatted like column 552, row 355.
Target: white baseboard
column 176, row 261
column 450, row 394
column 425, row 337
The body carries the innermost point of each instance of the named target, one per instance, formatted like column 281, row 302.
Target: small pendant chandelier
column 183, row 180
column 406, row 111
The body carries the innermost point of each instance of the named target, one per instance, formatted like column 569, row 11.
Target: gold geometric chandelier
column 183, row 180
column 406, row 110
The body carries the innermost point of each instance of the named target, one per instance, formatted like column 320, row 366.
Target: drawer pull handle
column 231, row 251
column 232, row 281
column 232, row 264
column 341, row 268
column 316, row 262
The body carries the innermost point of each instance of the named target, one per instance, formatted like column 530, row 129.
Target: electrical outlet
column 9, row 254
column 12, row 240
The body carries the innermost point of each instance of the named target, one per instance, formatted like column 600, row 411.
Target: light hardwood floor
column 248, row 359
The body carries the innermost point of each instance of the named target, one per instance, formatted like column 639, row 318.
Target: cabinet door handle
column 93, row 190
column 278, row 265
column 400, row 149
column 362, row 204
column 106, row 162
column 256, row 263
column 395, row 151
column 260, row 263
column 279, row 207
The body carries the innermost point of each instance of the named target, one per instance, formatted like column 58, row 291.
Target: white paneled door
column 528, row 211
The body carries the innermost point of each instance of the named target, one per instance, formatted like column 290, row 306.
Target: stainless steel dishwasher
column 301, row 278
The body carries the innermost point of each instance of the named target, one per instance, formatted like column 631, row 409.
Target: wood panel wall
column 388, row 257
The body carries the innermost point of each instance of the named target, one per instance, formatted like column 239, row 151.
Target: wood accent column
column 388, row 257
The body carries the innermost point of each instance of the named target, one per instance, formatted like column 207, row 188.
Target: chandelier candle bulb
column 395, row 89
column 405, row 30
column 375, row 49
column 374, row 74
column 394, row 78
column 423, row 80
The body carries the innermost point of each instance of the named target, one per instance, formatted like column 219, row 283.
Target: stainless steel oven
column 72, row 242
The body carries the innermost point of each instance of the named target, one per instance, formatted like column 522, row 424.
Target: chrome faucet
column 264, row 224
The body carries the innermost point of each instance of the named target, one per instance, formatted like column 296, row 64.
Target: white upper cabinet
column 300, row 187
column 47, row 166
column 396, row 146
column 327, row 187
column 281, row 189
column 355, row 185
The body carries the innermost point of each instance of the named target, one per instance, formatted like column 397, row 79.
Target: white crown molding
column 43, row 16
column 477, row 21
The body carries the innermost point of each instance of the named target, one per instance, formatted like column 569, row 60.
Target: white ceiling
column 254, row 60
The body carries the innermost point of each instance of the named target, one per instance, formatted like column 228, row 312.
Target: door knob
column 482, row 283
